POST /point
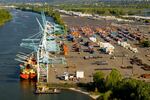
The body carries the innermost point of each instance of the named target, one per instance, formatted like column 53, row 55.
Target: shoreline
column 1, row 24
column 94, row 97
column 5, row 21
column 71, row 87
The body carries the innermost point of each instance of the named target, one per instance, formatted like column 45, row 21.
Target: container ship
column 28, row 69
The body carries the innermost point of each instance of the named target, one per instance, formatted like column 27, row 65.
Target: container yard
column 122, row 38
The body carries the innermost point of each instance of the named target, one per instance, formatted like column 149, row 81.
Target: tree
column 98, row 78
column 126, row 90
column 113, row 78
column 105, row 96
column 146, row 43
column 143, row 91
column 131, row 89
column 121, row 89
column 147, row 21
column 4, row 16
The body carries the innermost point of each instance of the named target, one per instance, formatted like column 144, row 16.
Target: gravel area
column 76, row 62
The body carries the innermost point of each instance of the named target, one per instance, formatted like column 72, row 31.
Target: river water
column 23, row 25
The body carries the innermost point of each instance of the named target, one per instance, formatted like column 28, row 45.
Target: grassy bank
column 4, row 16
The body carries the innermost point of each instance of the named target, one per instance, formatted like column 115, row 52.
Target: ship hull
column 24, row 76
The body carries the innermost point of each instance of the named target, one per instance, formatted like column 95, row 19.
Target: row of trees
column 105, row 9
column 4, row 16
column 139, row 5
column 114, row 86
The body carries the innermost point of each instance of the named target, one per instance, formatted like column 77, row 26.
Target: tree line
column 106, row 9
column 115, row 87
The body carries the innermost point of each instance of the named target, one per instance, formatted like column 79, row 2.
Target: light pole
column 123, row 54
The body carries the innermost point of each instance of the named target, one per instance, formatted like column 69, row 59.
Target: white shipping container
column 80, row 74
